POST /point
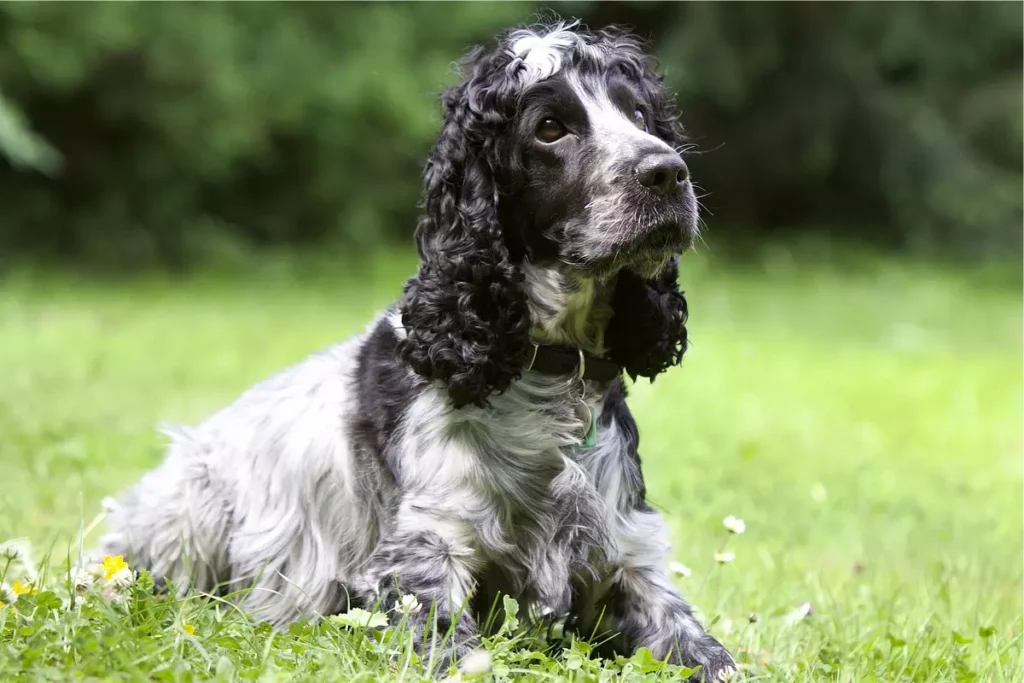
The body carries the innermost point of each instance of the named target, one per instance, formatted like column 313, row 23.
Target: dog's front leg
column 644, row 609
column 431, row 556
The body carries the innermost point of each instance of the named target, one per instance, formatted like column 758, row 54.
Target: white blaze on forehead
column 614, row 129
column 540, row 55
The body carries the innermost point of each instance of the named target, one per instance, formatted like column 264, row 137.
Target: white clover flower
column 819, row 494
column 679, row 569
column 724, row 557
column 7, row 595
column 122, row 578
column 409, row 604
column 802, row 611
column 734, row 525
column 81, row 579
column 476, row 663
column 112, row 594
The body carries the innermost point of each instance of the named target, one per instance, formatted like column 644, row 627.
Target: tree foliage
column 136, row 132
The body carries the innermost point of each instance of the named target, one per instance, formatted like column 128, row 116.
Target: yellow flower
column 20, row 588
column 189, row 628
column 112, row 565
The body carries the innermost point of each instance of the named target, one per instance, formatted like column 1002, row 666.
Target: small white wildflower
column 7, row 594
column 476, row 663
column 81, row 578
column 409, row 604
column 113, row 595
column 679, row 569
column 122, row 578
column 19, row 551
column 724, row 558
column 819, row 494
column 734, row 525
column 15, row 550
column 802, row 611
column 361, row 618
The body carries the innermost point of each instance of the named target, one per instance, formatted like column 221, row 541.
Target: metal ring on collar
column 533, row 358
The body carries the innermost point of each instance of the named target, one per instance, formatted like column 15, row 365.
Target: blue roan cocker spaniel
column 475, row 440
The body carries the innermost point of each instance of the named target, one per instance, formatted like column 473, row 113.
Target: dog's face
column 596, row 186
column 559, row 148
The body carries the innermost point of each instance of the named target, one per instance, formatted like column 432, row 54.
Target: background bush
column 132, row 133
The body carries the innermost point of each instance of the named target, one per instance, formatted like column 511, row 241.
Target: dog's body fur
column 419, row 457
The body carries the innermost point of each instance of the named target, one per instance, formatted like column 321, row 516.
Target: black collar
column 552, row 360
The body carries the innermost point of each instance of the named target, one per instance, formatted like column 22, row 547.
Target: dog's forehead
column 539, row 54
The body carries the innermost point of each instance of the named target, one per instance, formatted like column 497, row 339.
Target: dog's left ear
column 647, row 332
column 465, row 313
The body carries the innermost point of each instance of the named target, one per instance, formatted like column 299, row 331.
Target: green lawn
column 865, row 422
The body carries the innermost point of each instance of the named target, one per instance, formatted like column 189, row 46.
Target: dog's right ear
column 465, row 313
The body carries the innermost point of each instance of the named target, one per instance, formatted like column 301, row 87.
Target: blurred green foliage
column 132, row 133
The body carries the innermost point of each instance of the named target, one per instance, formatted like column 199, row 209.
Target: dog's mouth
column 643, row 246
column 661, row 237
column 654, row 244
column 670, row 235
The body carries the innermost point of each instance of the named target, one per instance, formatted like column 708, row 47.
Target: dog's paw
column 715, row 662
column 461, row 649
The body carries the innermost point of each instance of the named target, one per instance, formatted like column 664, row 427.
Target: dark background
column 141, row 134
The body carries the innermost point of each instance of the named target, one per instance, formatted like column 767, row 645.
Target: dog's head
column 558, row 150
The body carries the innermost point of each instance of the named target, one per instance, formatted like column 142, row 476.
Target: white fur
column 539, row 54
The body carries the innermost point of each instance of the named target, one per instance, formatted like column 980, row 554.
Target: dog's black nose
column 662, row 173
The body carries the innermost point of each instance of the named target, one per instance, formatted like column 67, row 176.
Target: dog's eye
column 639, row 119
column 550, row 130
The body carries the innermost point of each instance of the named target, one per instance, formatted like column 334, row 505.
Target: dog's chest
column 549, row 518
column 516, row 474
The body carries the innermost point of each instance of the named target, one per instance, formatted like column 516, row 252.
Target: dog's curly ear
column 647, row 332
column 465, row 312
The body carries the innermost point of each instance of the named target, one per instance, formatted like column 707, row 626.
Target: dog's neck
column 567, row 309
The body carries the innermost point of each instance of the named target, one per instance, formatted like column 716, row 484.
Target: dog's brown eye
column 550, row 130
column 639, row 119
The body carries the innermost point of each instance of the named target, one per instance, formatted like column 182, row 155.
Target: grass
column 865, row 422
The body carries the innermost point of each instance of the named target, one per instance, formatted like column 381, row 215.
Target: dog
column 474, row 440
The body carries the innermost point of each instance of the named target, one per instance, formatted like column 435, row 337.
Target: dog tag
column 586, row 415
